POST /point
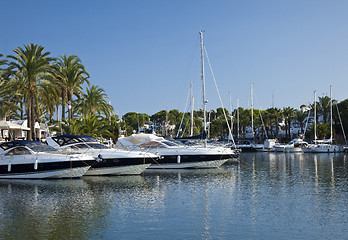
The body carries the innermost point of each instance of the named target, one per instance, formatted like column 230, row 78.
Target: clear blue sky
column 144, row 54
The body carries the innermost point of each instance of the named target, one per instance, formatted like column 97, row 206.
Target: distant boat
column 268, row 146
column 24, row 159
column 295, row 146
column 324, row 146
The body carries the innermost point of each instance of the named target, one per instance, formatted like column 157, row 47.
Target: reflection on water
column 264, row 196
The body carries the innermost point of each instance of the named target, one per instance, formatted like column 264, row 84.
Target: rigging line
column 223, row 109
column 304, row 134
column 263, row 124
column 188, row 72
column 182, row 133
column 183, row 115
column 339, row 116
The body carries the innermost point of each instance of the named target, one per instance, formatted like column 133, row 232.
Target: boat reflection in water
column 268, row 195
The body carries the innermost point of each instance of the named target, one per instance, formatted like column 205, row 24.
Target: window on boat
column 69, row 139
column 151, row 145
column 91, row 145
column 43, row 148
column 19, row 151
column 171, row 144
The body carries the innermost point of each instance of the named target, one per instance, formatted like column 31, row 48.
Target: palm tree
column 276, row 114
column 94, row 101
column 2, row 62
column 70, row 75
column 50, row 98
column 300, row 117
column 324, row 107
column 32, row 62
column 93, row 125
column 14, row 91
column 112, row 128
column 289, row 114
column 8, row 107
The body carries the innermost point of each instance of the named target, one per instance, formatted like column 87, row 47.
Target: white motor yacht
column 174, row 155
column 295, row 146
column 109, row 161
column 268, row 146
column 34, row 160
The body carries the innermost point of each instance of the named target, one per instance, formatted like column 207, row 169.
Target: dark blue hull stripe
column 104, row 163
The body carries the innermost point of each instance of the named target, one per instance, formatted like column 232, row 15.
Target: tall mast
column 203, row 89
column 237, row 117
column 315, row 117
column 166, row 121
column 252, row 109
column 331, row 136
column 192, row 106
column 231, row 114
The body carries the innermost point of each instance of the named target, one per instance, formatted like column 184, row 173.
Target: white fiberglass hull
column 293, row 150
column 118, row 170
column 279, row 148
column 60, row 173
column 326, row 149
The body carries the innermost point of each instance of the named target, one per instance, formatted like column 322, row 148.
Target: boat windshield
column 34, row 145
column 152, row 144
column 170, row 144
column 89, row 145
column 43, row 148
column 70, row 139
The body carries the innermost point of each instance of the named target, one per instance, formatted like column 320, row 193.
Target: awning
column 12, row 125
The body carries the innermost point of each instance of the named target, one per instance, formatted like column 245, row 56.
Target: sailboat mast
column 252, row 109
column 231, row 113
column 237, row 117
column 203, row 88
column 315, row 117
column 331, row 136
column 192, row 106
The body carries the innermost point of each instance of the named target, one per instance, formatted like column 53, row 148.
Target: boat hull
column 118, row 166
column 118, row 170
column 328, row 150
column 75, row 172
column 293, row 150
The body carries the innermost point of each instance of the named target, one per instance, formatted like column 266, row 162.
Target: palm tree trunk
column 63, row 104
column 21, row 106
column 57, row 108
column 70, row 107
column 30, row 137
column 32, row 118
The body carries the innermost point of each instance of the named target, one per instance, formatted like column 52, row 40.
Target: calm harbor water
column 264, row 196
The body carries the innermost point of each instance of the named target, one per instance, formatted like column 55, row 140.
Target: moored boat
column 34, row 160
column 174, row 155
column 109, row 161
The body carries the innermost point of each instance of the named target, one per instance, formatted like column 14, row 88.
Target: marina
column 98, row 141
column 261, row 196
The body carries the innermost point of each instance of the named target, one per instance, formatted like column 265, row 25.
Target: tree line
column 36, row 86
column 56, row 90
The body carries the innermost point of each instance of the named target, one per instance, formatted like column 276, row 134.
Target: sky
column 145, row 54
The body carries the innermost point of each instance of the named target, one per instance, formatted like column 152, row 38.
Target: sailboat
column 174, row 155
column 325, row 146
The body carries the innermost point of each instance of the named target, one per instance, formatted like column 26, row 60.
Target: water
column 265, row 196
